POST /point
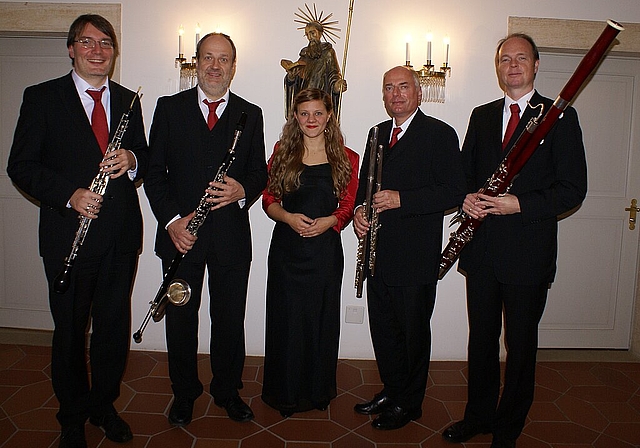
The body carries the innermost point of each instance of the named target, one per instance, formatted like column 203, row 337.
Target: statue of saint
column 316, row 67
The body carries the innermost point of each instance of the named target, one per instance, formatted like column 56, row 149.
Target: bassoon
column 174, row 290
column 524, row 147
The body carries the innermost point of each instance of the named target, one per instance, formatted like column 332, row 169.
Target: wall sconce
column 432, row 82
column 188, row 75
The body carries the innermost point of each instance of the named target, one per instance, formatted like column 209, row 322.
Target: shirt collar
column 82, row 86
column 202, row 96
column 406, row 123
column 522, row 102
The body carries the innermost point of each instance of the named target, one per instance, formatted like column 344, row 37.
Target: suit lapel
column 530, row 112
column 495, row 124
column 117, row 108
column 405, row 140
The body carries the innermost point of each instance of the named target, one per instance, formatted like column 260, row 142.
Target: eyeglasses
column 87, row 42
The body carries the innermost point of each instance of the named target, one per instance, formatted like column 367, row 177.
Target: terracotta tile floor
column 578, row 404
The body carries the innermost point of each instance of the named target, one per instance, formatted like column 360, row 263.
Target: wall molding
column 565, row 35
column 37, row 19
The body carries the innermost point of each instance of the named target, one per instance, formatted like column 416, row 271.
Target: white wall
column 264, row 33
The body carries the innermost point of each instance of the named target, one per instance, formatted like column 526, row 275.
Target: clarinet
column 178, row 291
column 524, row 147
column 367, row 243
column 99, row 186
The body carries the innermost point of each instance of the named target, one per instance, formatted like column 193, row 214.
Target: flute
column 367, row 243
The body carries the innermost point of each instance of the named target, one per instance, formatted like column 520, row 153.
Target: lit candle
column 429, row 39
column 180, row 45
column 197, row 34
column 446, row 51
column 407, row 51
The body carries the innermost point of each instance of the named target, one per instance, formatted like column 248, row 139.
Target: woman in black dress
column 313, row 180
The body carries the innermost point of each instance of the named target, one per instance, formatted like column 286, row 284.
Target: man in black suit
column 511, row 260
column 54, row 158
column 422, row 177
column 188, row 142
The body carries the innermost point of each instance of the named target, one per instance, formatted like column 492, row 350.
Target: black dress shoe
column 181, row 411
column 322, row 406
column 376, row 406
column 395, row 417
column 462, row 431
column 502, row 442
column 116, row 429
column 73, row 437
column 237, row 409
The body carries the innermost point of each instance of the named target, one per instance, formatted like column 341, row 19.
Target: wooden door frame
column 37, row 19
column 577, row 37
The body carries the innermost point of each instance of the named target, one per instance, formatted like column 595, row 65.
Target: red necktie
column 394, row 136
column 99, row 119
column 212, row 118
column 511, row 126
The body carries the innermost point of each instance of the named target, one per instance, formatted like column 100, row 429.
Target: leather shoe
column 116, row 429
column 502, row 442
column 237, row 409
column 376, row 406
column 181, row 411
column 322, row 406
column 462, row 431
column 395, row 417
column 73, row 437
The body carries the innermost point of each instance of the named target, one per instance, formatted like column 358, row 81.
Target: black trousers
column 99, row 293
column 400, row 325
column 488, row 301
column 227, row 303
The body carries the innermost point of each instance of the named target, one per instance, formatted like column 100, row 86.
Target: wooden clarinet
column 367, row 244
column 524, row 147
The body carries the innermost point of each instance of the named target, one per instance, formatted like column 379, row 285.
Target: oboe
column 99, row 186
column 367, row 244
column 177, row 291
column 524, row 147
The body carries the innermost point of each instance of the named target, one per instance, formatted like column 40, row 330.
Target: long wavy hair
column 284, row 176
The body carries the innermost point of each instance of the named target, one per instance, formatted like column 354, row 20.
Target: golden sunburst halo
column 311, row 17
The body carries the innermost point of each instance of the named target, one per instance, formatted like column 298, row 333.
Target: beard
column 314, row 49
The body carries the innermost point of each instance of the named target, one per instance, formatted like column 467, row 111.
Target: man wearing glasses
column 64, row 128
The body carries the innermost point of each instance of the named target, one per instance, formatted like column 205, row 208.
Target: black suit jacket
column 425, row 167
column 185, row 157
column 55, row 152
column 522, row 247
